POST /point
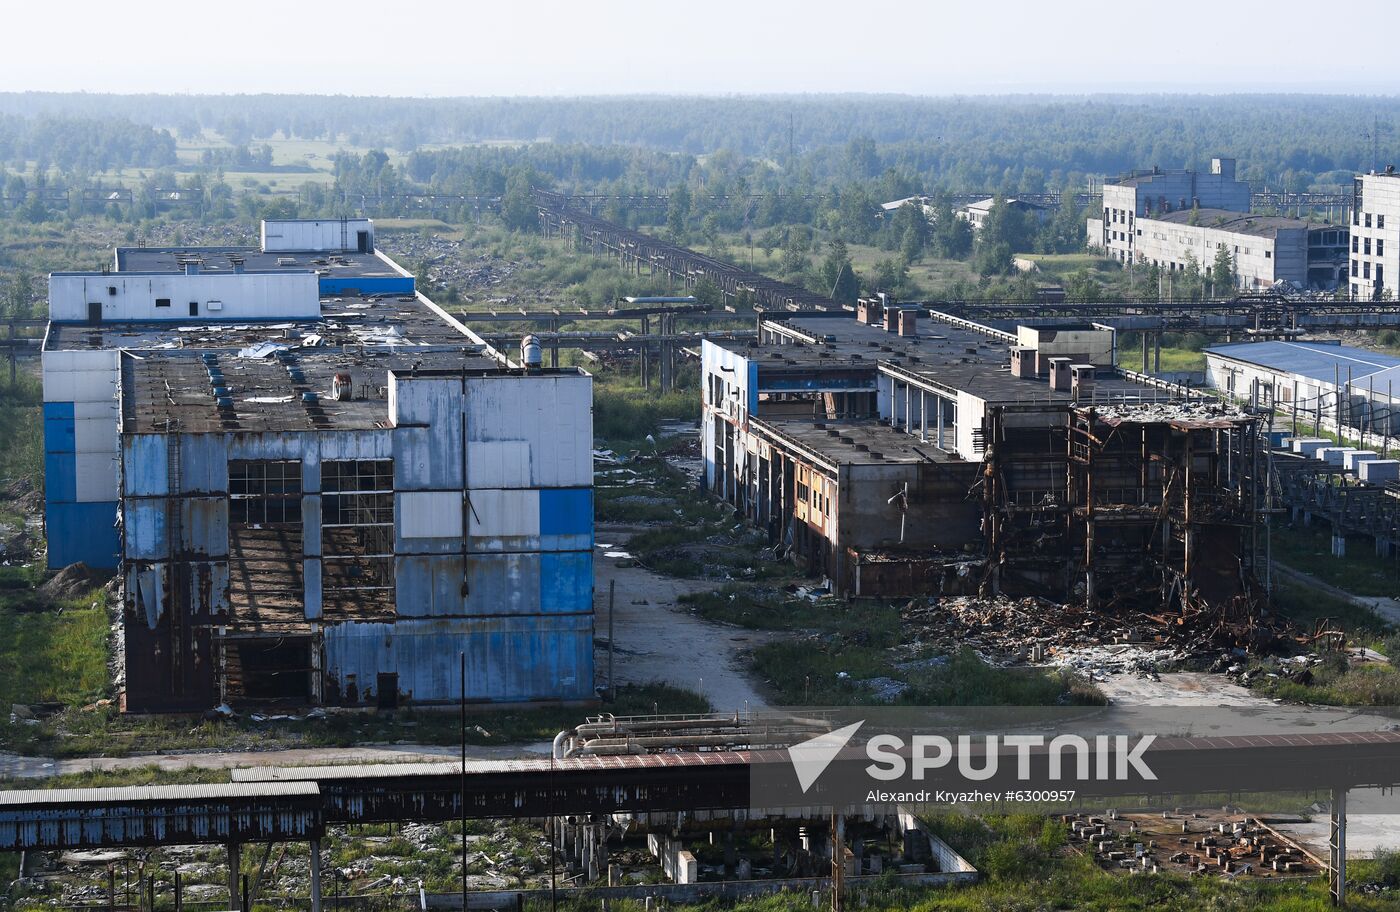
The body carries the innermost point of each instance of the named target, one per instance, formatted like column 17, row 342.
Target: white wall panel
column 499, row 464
column 134, row 295
column 97, row 477
column 504, row 513
column 306, row 235
column 553, row 414
column 429, row 514
column 95, row 435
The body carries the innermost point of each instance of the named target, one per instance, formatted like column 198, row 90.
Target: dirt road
column 657, row 640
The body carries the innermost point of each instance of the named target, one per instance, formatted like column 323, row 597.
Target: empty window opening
column 162, row 302
column 274, row 670
column 265, row 543
column 357, row 536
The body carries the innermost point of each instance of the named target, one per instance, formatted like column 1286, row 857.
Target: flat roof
column 948, row 355
column 1315, row 360
column 393, row 320
column 266, row 390
column 222, row 260
column 121, row 795
column 1235, row 222
column 867, row 442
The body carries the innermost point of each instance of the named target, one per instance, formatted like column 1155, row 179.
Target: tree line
column 1013, row 143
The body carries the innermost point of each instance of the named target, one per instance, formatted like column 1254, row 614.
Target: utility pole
column 463, row 657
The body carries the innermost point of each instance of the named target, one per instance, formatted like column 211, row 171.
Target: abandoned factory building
column 908, row 453
column 315, row 485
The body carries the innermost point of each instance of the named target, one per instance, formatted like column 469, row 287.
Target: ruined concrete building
column 317, row 493
column 904, row 453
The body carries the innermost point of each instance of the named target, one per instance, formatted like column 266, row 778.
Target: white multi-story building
column 1375, row 235
column 1265, row 249
column 1145, row 193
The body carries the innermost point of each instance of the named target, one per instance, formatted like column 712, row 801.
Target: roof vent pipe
column 531, row 353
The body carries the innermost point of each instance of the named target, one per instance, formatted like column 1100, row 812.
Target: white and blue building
column 316, row 496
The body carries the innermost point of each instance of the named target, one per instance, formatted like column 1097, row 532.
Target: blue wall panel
column 60, row 477
column 566, row 581
column 367, row 285
column 566, row 511
column 84, row 532
column 508, row 658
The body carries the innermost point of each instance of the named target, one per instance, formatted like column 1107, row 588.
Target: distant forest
column 1013, row 143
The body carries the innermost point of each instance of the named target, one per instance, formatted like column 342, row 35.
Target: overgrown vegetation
column 859, row 653
column 1309, row 549
column 102, row 731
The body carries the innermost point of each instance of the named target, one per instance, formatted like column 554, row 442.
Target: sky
column 609, row 47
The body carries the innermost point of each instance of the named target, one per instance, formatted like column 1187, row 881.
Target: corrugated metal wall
column 508, row 658
column 515, row 592
column 80, row 458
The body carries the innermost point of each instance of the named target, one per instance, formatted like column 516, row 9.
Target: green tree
column 518, row 209
column 1083, row 288
column 770, row 240
column 838, row 277
column 1223, row 277
column 951, row 236
column 677, row 213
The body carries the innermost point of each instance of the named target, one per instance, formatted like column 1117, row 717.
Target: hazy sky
column 517, row 47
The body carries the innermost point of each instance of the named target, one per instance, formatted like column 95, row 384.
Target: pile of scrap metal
column 1039, row 630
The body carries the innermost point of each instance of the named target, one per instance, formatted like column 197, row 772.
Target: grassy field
column 1360, row 572
column 832, row 649
column 1173, row 359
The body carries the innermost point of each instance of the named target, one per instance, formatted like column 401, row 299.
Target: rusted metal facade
column 354, row 562
column 1157, row 509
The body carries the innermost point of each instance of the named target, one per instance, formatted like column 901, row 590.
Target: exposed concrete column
column 600, row 865
column 908, row 412
column 923, row 417
column 315, row 875
column 939, row 442
column 1157, row 353
column 1145, row 334
column 235, row 855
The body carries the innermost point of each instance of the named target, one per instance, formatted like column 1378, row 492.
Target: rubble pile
column 445, row 263
column 1007, row 631
column 1155, row 412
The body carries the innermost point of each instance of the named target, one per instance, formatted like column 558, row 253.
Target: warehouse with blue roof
column 1338, row 384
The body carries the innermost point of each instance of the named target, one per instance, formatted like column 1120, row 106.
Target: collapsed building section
column 906, row 453
column 1136, row 505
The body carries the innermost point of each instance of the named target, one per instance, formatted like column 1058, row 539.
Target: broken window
column 266, row 582
column 357, row 535
column 264, row 493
